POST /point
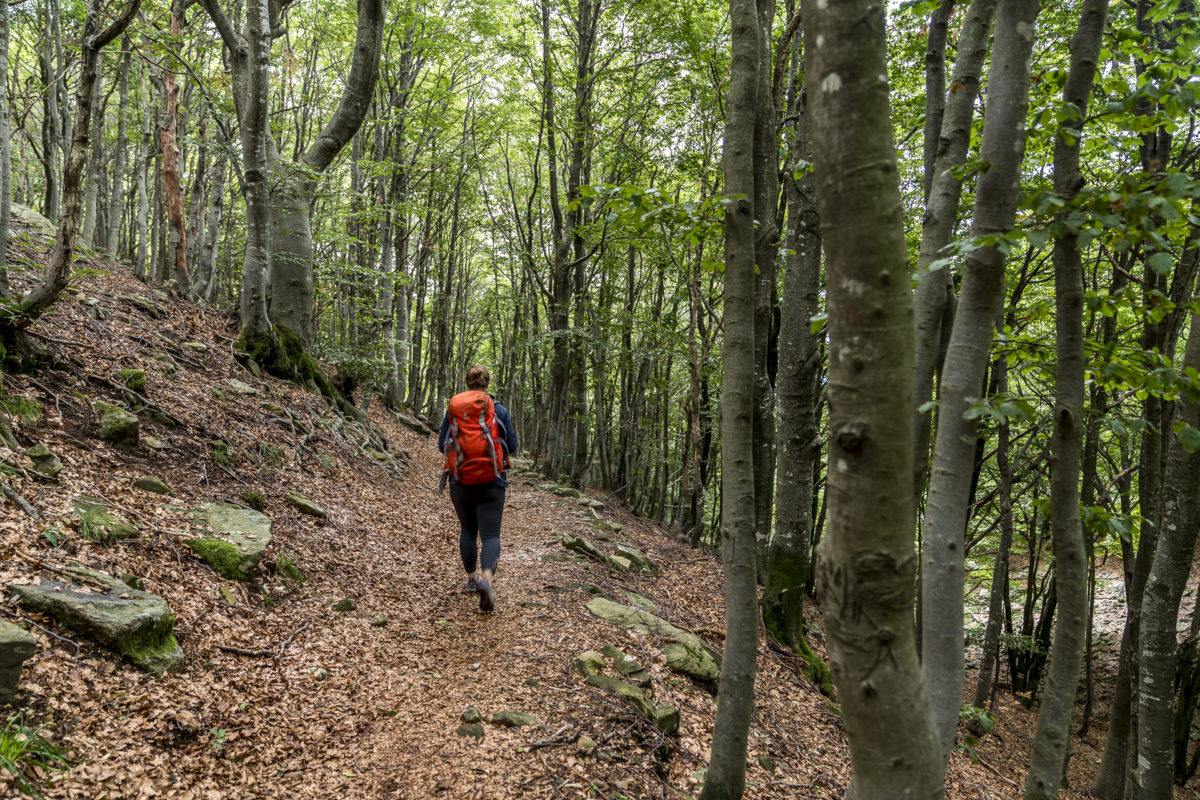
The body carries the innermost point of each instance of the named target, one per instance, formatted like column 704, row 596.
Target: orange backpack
column 474, row 454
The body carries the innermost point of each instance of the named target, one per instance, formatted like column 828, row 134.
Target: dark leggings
column 479, row 509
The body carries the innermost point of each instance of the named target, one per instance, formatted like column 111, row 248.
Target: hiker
column 477, row 437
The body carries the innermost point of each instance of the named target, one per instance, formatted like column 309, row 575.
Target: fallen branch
column 289, row 639
column 21, row 502
column 241, row 651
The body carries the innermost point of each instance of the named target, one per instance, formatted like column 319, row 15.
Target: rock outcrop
column 238, row 540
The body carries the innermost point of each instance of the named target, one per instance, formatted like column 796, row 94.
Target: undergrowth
column 22, row 749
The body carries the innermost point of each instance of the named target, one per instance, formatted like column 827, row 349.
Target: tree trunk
column 867, row 562
column 979, row 306
column 5, row 154
column 933, row 295
column 1052, row 741
column 1164, row 588
column 799, row 400
column 206, row 266
column 91, row 186
column 58, row 268
column 116, row 198
column 735, row 700
column 51, row 121
column 172, row 181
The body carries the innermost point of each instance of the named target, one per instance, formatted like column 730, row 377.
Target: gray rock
column 345, row 604
column 16, row 645
column 412, row 423
column 471, row 714
column 45, row 461
column 578, row 544
column 154, row 443
column 99, row 524
column 663, row 715
column 641, row 601
column 619, row 563
column 239, row 538
column 305, row 506
column 514, row 719
column 33, row 220
column 241, row 387
column 379, row 621
column 146, row 305
column 685, row 660
column 117, row 426
column 588, row 663
column 639, row 561
column 196, row 347
column 150, row 483
column 645, row 623
column 136, row 623
column 586, row 745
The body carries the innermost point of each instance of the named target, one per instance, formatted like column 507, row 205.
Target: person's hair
column 478, row 377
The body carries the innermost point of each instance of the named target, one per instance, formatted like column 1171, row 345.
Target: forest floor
column 327, row 704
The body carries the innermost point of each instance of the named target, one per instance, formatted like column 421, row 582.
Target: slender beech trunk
column 980, row 302
column 798, row 401
column 867, row 564
column 172, row 180
column 1164, row 588
column 51, row 121
column 143, row 202
column 91, row 187
column 58, row 267
column 116, row 197
column 991, row 635
column 735, row 701
column 1052, row 741
column 766, row 247
column 935, row 85
column 206, row 265
column 5, row 153
column 933, row 296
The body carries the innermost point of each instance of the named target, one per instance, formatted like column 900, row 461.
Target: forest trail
column 323, row 703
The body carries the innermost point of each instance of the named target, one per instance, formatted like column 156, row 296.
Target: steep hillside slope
column 282, row 694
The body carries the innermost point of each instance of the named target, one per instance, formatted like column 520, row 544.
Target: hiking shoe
column 472, row 586
column 486, row 599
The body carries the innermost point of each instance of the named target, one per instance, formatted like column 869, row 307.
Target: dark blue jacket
column 508, row 435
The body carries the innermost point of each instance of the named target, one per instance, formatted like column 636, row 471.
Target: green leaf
column 1161, row 263
column 1189, row 437
column 817, row 322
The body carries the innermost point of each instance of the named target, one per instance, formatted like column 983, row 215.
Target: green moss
column 254, row 500
column 223, row 557
column 271, row 454
column 30, row 411
column 134, row 379
column 221, row 453
column 286, row 564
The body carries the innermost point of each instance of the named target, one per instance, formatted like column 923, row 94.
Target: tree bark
column 5, row 153
column 979, row 306
column 116, row 198
column 172, row 180
column 934, row 293
column 867, row 563
column 1052, row 740
column 1164, row 588
column 735, row 700
column 91, row 185
column 291, row 216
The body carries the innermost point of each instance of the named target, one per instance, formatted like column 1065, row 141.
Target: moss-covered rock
column 645, row 623
column 149, row 483
column 684, row 660
column 138, row 624
column 663, row 715
column 577, row 544
column 45, row 461
column 471, row 714
column 98, row 523
column 241, row 387
column 627, row 665
column 514, row 719
column 345, row 604
column 588, row 663
column 29, row 411
column 145, row 305
column 639, row 561
column 305, row 506
column 117, row 426
column 134, row 379
column 254, row 500
column 16, row 646
column 239, row 538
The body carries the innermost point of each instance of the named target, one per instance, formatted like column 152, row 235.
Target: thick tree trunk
column 291, row 214
column 735, row 700
column 1052, row 741
column 979, row 306
column 867, row 563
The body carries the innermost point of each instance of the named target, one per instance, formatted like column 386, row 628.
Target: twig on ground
column 21, row 502
column 48, row 632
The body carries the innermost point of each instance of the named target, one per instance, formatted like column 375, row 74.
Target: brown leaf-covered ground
column 338, row 707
